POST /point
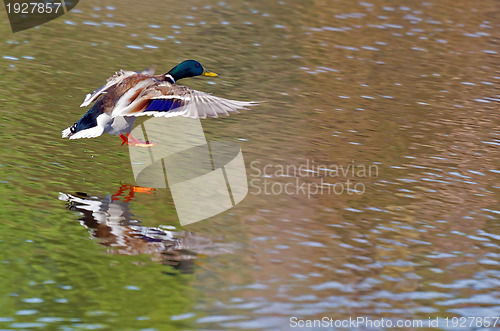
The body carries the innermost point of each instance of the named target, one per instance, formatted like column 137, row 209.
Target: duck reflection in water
column 110, row 220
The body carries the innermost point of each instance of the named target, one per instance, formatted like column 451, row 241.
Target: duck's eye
column 73, row 128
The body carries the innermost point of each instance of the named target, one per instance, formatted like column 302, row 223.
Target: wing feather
column 112, row 81
column 168, row 100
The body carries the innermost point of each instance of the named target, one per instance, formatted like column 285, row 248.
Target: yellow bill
column 209, row 74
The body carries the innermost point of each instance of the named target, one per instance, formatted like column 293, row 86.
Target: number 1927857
column 33, row 7
column 471, row 322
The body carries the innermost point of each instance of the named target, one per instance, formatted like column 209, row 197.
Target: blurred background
column 409, row 87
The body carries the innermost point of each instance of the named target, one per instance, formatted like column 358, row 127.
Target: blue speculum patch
column 163, row 105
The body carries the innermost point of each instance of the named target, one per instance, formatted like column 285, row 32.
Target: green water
column 407, row 88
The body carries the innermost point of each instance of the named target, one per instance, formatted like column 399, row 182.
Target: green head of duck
column 189, row 68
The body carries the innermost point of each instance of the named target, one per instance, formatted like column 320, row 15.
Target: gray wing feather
column 195, row 104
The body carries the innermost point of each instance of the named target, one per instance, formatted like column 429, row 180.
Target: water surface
column 408, row 89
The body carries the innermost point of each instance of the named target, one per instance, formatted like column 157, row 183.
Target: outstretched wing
column 168, row 100
column 112, row 81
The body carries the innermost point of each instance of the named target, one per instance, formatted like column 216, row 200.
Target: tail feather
column 66, row 133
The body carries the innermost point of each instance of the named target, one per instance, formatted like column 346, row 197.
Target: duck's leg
column 119, row 192
column 131, row 141
column 124, row 139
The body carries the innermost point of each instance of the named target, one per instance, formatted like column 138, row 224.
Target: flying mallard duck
column 129, row 94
